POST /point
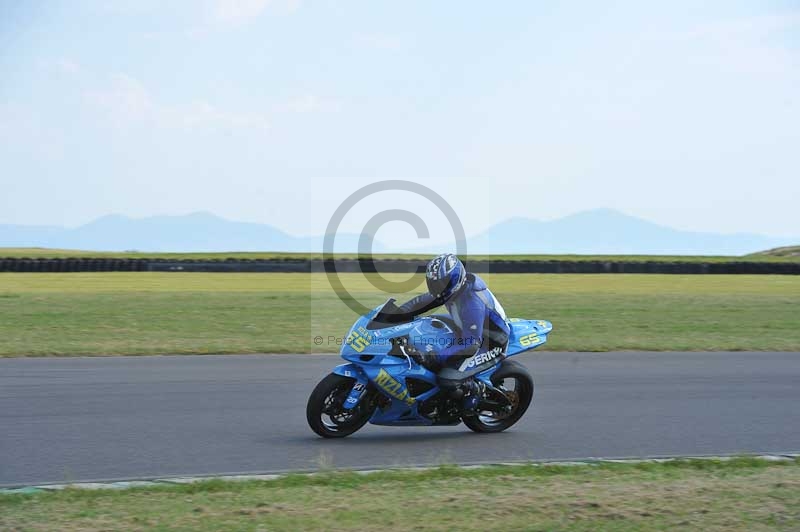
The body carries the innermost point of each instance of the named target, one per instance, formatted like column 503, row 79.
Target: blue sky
column 684, row 113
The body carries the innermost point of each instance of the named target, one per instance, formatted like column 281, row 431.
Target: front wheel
column 325, row 411
column 516, row 384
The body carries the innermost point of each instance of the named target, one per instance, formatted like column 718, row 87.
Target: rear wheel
column 516, row 386
column 325, row 411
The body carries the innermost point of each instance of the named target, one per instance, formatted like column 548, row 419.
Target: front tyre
column 325, row 411
column 514, row 381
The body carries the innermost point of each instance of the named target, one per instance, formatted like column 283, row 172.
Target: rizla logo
column 393, row 387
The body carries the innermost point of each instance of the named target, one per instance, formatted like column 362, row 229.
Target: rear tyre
column 517, row 384
column 325, row 411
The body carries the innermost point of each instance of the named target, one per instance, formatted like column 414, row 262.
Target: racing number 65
column 529, row 339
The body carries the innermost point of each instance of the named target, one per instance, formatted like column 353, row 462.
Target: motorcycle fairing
column 366, row 348
column 403, row 408
column 526, row 335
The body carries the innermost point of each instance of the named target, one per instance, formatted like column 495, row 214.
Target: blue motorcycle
column 385, row 382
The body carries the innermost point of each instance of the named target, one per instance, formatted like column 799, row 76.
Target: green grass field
column 45, row 253
column 742, row 494
column 149, row 313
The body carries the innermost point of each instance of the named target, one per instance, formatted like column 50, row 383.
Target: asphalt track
column 142, row 417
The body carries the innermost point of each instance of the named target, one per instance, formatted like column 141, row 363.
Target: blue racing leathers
column 479, row 317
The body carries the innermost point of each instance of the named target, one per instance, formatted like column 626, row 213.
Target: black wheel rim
column 512, row 388
column 334, row 416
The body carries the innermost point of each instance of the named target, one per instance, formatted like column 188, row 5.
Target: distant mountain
column 191, row 232
column 609, row 232
column 600, row 231
column 787, row 251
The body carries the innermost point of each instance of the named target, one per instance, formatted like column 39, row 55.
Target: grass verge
column 741, row 494
column 184, row 313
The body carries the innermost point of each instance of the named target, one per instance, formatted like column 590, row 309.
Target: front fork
column 359, row 388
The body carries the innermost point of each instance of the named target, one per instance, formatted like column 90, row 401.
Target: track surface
column 137, row 417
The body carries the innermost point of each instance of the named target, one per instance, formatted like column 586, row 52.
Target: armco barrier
column 390, row 266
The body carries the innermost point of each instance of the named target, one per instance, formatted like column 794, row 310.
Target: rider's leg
column 469, row 389
column 466, row 390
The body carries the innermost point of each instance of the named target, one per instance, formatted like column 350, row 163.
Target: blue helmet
column 445, row 276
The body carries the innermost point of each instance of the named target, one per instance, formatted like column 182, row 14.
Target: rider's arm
column 471, row 312
column 419, row 305
column 408, row 311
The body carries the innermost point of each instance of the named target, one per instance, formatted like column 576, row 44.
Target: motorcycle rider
column 481, row 320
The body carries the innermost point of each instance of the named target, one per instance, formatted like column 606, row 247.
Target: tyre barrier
column 27, row 265
column 89, row 264
column 231, row 265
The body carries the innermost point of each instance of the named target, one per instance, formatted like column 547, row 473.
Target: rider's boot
column 468, row 392
column 473, row 390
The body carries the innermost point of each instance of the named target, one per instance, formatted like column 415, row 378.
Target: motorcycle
column 385, row 382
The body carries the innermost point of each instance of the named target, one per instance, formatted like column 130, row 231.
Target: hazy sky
column 684, row 113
